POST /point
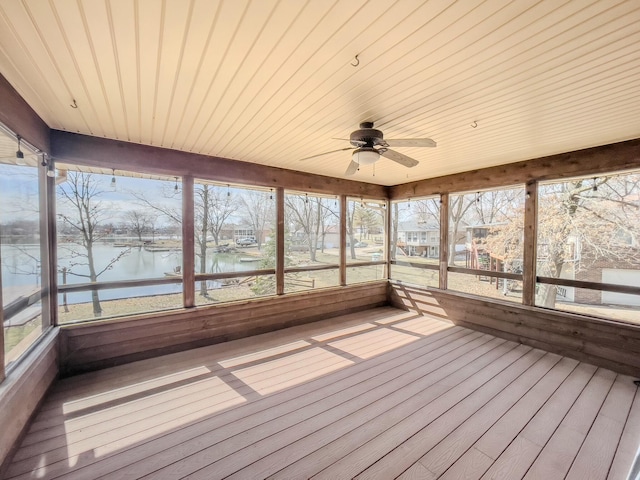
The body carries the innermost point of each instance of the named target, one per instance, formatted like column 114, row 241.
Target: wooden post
column 280, row 241
column 188, row 244
column 343, row 240
column 444, row 239
column 2, row 374
column 530, row 244
column 49, row 251
column 387, row 237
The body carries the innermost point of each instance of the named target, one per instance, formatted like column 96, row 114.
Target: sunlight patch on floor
column 262, row 354
column 374, row 343
column 421, row 327
column 343, row 331
column 269, row 377
column 133, row 389
column 226, row 397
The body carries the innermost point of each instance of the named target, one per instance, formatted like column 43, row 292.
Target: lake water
column 20, row 269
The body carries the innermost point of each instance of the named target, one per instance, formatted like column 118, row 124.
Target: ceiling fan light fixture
column 365, row 156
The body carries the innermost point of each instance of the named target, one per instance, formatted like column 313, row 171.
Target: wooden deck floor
column 379, row 394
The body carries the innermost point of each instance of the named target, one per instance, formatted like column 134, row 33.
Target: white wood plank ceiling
column 272, row 81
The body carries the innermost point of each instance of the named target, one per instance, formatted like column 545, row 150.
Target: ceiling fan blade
column 410, row 142
column 398, row 157
column 352, row 168
column 361, row 143
column 326, row 153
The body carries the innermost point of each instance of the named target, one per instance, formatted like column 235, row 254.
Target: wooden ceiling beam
column 591, row 161
column 20, row 118
column 119, row 155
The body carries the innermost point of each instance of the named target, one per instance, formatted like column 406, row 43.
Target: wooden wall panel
column 591, row 161
column 106, row 153
column 21, row 119
column 96, row 345
column 613, row 345
column 23, row 390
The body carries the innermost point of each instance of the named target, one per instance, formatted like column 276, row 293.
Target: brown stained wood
column 607, row 287
column 616, row 331
column 224, row 313
column 521, row 452
column 110, row 355
column 98, row 152
column 280, row 235
column 22, row 392
column 453, row 446
column 188, row 243
column 417, row 472
column 530, row 250
column 323, row 426
column 601, row 442
column 343, row 240
column 361, row 431
column 2, row 372
column 218, row 312
column 591, row 161
column 496, row 439
column 627, row 449
column 44, row 183
column 609, row 344
column 558, row 453
column 429, row 435
column 128, row 341
column 52, row 246
column 83, row 287
column 486, row 273
column 117, row 377
column 337, row 384
column 21, row 119
column 381, row 457
column 470, row 466
column 461, row 402
column 444, row 239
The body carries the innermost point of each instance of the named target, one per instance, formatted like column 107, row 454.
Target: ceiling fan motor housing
column 367, row 136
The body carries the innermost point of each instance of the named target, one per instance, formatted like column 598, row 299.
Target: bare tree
column 139, row 222
column 81, row 194
column 427, row 210
column 310, row 216
column 221, row 205
column 258, row 212
column 583, row 221
column 459, row 205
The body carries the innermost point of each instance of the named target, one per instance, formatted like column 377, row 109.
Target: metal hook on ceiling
column 474, row 124
column 357, row 62
column 74, row 104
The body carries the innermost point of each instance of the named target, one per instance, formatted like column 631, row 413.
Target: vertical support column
column 52, row 240
column 343, row 240
column 48, row 249
column 388, row 235
column 530, row 244
column 2, row 374
column 280, row 241
column 444, row 239
column 188, row 244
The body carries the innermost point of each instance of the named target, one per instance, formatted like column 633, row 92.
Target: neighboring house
column 419, row 239
column 622, row 268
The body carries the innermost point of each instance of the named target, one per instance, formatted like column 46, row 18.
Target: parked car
column 360, row 244
column 245, row 242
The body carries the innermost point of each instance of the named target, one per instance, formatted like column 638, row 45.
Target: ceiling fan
column 368, row 144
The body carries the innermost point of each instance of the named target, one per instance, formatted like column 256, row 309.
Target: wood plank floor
column 378, row 394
